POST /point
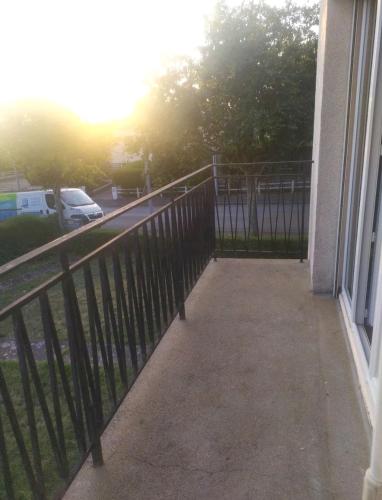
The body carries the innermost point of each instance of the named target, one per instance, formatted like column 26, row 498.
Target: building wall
column 333, row 63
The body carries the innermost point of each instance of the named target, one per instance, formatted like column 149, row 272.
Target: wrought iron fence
column 83, row 334
column 97, row 321
column 262, row 209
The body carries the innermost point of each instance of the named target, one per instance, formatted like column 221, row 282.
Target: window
column 76, row 198
column 364, row 29
column 50, row 201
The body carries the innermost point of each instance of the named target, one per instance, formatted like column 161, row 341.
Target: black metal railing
column 262, row 209
column 96, row 323
column 82, row 334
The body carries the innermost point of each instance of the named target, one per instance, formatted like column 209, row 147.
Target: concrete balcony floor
column 252, row 397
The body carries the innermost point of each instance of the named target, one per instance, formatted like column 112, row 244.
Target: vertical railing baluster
column 4, row 464
column 108, row 326
column 40, row 395
column 302, row 250
column 167, row 299
column 134, row 295
column 178, row 275
column 74, row 362
column 182, row 245
column 90, row 301
column 29, row 405
column 157, row 252
column 53, row 382
column 152, row 281
column 186, row 244
column 120, row 324
column 95, row 328
column 213, row 219
column 35, row 487
column 82, row 374
column 110, row 321
column 170, row 256
column 218, row 221
column 121, row 298
column 143, row 290
column 50, row 333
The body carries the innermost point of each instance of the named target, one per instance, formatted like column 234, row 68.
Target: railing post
column 302, row 217
column 212, row 207
column 216, row 159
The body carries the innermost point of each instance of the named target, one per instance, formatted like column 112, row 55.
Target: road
column 232, row 217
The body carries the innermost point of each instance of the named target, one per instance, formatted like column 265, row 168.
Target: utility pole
column 17, row 179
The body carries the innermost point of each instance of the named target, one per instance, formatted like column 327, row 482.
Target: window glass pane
column 50, row 201
column 365, row 25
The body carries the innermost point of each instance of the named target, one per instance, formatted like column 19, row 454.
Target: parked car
column 78, row 207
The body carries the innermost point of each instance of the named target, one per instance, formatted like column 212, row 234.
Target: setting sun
column 95, row 57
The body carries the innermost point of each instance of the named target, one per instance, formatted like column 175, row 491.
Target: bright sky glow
column 94, row 56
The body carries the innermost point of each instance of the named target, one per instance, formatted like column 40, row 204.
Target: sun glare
column 94, row 56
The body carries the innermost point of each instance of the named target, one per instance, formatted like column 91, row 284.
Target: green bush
column 23, row 233
column 88, row 242
column 129, row 176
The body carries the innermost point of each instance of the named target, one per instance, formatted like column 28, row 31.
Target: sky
column 95, row 57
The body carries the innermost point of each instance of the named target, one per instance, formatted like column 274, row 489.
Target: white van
column 78, row 207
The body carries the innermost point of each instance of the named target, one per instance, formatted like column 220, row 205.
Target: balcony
column 250, row 397
column 250, row 392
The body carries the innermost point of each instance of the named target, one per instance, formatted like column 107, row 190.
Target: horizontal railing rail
column 83, row 335
column 138, row 192
column 72, row 345
column 67, row 238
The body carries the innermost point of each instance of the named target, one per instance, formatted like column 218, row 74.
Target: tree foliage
column 250, row 96
column 51, row 145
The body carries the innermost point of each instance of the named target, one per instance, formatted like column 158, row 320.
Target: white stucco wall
column 333, row 61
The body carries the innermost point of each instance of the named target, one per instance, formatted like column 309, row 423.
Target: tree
column 53, row 148
column 168, row 123
column 250, row 96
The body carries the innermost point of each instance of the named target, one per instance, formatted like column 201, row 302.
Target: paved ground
column 232, row 216
column 252, row 397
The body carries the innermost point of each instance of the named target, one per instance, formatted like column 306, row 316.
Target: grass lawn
column 52, row 480
column 11, row 373
column 24, row 279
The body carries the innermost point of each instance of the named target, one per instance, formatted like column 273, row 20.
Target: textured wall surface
column 328, row 142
